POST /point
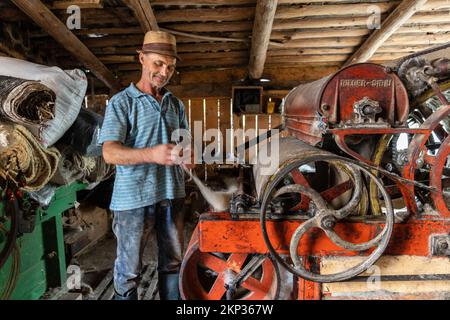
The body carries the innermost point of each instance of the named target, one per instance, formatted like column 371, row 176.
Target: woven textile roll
column 28, row 103
column 21, row 152
column 76, row 167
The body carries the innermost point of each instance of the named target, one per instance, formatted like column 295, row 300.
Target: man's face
column 157, row 68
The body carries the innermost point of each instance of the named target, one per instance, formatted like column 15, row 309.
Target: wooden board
column 387, row 266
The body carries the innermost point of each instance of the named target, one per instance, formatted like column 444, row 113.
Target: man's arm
column 116, row 153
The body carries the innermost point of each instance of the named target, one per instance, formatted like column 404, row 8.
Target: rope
column 23, row 153
column 76, row 167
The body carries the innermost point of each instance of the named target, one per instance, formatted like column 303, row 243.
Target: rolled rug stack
column 28, row 103
column 23, row 156
column 76, row 167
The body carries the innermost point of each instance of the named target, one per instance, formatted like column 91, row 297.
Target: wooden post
column 265, row 13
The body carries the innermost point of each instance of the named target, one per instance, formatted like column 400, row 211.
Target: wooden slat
column 388, row 265
column 119, row 16
column 294, row 12
column 329, row 22
column 345, row 50
column 182, row 48
column 10, row 52
column 201, row 2
column 42, row 16
column 213, row 50
column 364, row 9
column 202, row 47
column 187, row 37
column 214, row 62
column 83, row 4
column 265, row 13
column 118, row 59
column 214, row 55
column 394, row 21
column 395, row 40
column 226, row 26
column 225, row 121
column 304, row 26
column 278, row 35
column 222, row 14
column 352, row 32
column 329, row 58
column 136, row 40
column 107, row 31
column 106, row 281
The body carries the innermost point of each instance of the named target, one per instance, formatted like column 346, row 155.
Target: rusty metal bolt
column 328, row 222
column 443, row 245
column 420, row 162
column 325, row 107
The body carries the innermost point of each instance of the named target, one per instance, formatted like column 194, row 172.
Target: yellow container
column 270, row 107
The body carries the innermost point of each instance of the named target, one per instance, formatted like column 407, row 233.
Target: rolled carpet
column 28, row 103
column 76, row 167
column 20, row 152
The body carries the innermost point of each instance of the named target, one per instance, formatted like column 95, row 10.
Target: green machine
column 35, row 261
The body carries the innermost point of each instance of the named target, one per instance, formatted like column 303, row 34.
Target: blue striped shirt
column 138, row 120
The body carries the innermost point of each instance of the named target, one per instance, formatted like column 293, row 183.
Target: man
column 149, row 187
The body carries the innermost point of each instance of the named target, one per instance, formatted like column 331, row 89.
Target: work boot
column 130, row 295
column 168, row 286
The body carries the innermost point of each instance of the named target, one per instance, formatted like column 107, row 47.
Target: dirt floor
column 98, row 262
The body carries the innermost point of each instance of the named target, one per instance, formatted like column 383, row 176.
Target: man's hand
column 188, row 159
column 161, row 154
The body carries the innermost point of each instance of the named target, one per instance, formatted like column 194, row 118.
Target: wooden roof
column 223, row 34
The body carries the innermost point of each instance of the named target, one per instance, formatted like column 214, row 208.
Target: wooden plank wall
column 216, row 113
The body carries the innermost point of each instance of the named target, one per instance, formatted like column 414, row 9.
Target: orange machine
column 362, row 177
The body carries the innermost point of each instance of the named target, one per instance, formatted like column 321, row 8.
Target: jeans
column 131, row 228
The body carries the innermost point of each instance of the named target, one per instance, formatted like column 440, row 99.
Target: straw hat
column 160, row 42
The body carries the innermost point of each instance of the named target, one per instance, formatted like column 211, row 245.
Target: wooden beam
column 9, row 52
column 201, row 37
column 287, row 35
column 201, row 2
column 218, row 14
column 395, row 40
column 43, row 17
column 393, row 22
column 264, row 15
column 295, row 12
column 337, row 22
column 82, row 4
column 346, row 50
column 144, row 13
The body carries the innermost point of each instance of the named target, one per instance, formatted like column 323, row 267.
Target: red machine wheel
column 203, row 276
column 441, row 202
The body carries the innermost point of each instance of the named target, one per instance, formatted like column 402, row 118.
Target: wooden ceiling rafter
column 405, row 10
column 82, row 4
column 262, row 29
column 144, row 14
column 221, row 34
column 44, row 18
